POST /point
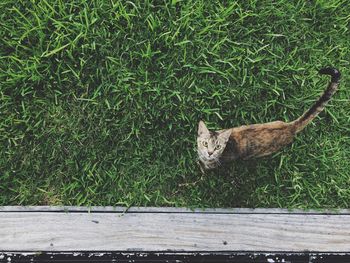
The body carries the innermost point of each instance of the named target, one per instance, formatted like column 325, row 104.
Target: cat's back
column 257, row 140
column 261, row 127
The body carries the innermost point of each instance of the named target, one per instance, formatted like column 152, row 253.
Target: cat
column 257, row 140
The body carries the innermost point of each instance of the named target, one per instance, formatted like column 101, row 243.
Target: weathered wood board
column 176, row 230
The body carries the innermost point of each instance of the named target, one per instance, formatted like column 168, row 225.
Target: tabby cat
column 257, row 140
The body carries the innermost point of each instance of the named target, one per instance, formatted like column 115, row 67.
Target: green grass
column 100, row 101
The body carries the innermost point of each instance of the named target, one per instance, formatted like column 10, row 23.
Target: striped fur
column 309, row 115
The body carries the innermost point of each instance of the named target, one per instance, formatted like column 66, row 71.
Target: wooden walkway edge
column 55, row 229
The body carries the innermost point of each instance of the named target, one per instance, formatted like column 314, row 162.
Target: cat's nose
column 210, row 153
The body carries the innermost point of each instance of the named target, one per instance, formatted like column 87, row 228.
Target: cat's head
column 210, row 145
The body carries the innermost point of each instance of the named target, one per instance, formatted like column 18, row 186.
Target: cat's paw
column 202, row 167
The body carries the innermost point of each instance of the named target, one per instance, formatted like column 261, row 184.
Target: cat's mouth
column 207, row 157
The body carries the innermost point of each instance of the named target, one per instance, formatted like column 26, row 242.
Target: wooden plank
column 161, row 229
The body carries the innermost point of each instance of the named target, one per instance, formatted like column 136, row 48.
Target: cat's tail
column 309, row 115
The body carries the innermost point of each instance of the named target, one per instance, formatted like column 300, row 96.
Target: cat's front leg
column 202, row 167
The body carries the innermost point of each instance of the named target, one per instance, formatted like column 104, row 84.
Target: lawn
column 100, row 101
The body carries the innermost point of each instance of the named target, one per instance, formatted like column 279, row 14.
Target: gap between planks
column 119, row 209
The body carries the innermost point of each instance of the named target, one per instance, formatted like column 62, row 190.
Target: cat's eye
column 217, row 147
column 205, row 144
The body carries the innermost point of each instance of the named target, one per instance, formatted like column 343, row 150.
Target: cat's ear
column 202, row 129
column 225, row 135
